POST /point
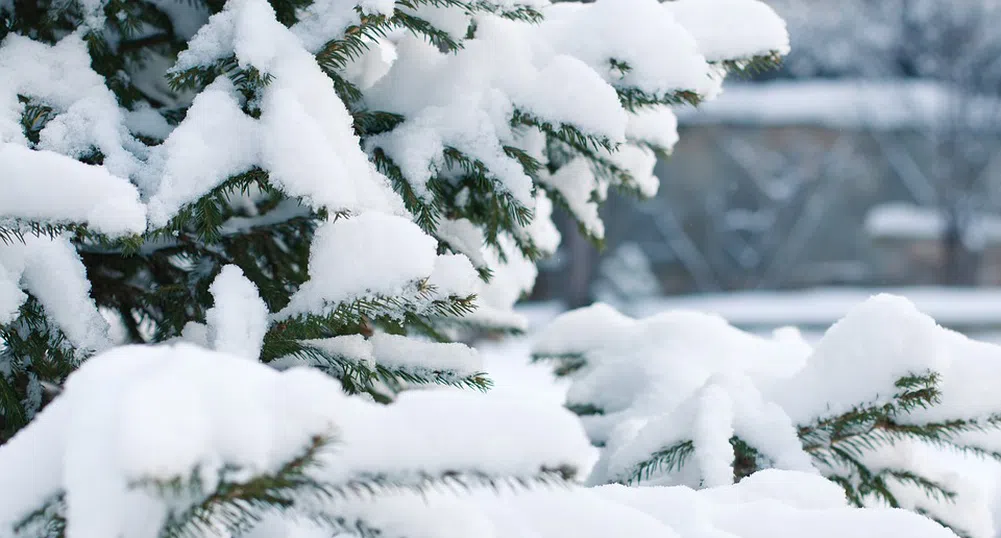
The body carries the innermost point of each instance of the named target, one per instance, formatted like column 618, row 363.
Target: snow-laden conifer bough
column 883, row 405
column 286, row 209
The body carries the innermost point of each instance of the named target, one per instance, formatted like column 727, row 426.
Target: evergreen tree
column 881, row 405
column 341, row 185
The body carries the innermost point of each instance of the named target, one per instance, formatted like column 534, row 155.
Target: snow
column 732, row 29
column 542, row 231
column 87, row 112
column 639, row 162
column 845, row 103
column 199, row 409
column 365, row 256
column 576, row 183
column 656, row 126
column 634, row 32
column 238, row 320
column 51, row 271
column 761, row 506
column 465, row 238
column 35, row 187
column 968, row 308
column 454, row 276
column 474, row 115
column 711, row 435
column 216, row 140
column 900, row 220
column 768, row 504
column 510, row 282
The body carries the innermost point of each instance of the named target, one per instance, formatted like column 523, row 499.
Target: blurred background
column 870, row 161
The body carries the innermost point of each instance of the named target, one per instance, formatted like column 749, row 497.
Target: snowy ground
column 974, row 311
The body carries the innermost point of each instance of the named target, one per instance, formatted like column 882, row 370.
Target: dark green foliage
column 237, row 506
column 49, row 521
column 668, row 459
column 39, row 358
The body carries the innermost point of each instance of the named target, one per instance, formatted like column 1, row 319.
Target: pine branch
column 634, row 99
column 459, row 480
column 585, row 409
column 754, row 65
column 931, row 488
column 355, row 317
column 566, row 133
column 238, row 506
column 363, row 377
column 48, row 521
column 669, row 459
column 566, row 363
column 33, row 352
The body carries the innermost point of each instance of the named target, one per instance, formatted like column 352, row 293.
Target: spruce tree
column 261, row 186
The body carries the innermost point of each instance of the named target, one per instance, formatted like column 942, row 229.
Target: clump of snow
column 465, row 238
column 454, row 276
column 36, row 189
column 216, row 140
column 509, row 284
column 87, row 114
column 732, row 29
column 51, row 270
column 363, row 256
column 576, row 184
column 655, row 126
column 662, row 56
column 238, row 321
column 771, row 504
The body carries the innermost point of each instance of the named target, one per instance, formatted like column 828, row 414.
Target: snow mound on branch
column 238, row 320
column 683, row 376
column 661, row 55
column 732, row 29
column 304, row 138
column 86, row 113
column 364, row 256
column 51, row 270
column 141, row 412
column 48, row 185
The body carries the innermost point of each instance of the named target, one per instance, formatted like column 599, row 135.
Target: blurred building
column 873, row 158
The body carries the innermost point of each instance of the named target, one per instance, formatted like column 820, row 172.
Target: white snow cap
column 662, row 56
column 51, row 270
column 367, row 255
column 238, row 321
column 732, row 29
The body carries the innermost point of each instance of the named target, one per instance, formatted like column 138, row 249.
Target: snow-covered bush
column 877, row 405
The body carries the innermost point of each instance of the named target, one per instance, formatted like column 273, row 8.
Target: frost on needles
column 234, row 234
